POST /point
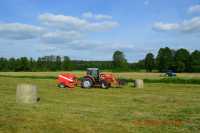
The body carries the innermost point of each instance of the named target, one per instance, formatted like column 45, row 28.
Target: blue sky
column 94, row 29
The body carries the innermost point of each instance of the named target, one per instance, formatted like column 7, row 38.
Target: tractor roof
column 94, row 69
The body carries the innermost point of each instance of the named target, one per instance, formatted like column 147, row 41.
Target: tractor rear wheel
column 86, row 83
column 104, row 84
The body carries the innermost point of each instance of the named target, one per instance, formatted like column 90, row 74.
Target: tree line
column 180, row 60
column 50, row 63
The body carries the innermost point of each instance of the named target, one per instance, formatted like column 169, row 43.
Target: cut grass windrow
column 173, row 80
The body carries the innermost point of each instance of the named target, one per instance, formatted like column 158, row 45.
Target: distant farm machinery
column 93, row 78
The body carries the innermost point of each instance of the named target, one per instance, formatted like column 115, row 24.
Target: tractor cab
column 94, row 73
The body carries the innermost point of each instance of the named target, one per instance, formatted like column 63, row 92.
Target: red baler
column 67, row 80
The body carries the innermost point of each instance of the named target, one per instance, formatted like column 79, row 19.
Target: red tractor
column 95, row 78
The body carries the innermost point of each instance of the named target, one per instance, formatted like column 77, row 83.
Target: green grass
column 154, row 109
column 174, row 80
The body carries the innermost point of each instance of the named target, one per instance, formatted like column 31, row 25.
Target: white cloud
column 60, row 37
column 146, row 2
column 194, row 9
column 75, row 23
column 99, row 45
column 60, row 32
column 88, row 45
column 90, row 15
column 165, row 26
column 84, row 47
column 47, row 48
column 62, row 21
column 101, row 26
column 102, row 17
column 187, row 26
column 192, row 25
column 17, row 31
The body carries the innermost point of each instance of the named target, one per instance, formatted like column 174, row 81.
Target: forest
column 180, row 60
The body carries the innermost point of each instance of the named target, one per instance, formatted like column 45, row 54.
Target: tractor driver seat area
column 93, row 72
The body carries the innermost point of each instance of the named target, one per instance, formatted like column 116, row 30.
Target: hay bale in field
column 138, row 83
column 26, row 93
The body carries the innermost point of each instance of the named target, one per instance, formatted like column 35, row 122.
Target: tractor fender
column 89, row 77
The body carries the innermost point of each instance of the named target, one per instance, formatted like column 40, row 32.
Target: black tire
column 86, row 83
column 104, row 84
column 61, row 85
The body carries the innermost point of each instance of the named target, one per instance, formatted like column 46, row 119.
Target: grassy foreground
column 157, row 108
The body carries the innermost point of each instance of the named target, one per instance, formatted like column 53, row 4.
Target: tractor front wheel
column 104, row 84
column 86, row 83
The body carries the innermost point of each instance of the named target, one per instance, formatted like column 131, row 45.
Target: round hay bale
column 26, row 93
column 139, row 83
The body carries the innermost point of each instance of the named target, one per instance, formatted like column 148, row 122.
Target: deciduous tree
column 119, row 61
column 149, row 62
column 164, row 59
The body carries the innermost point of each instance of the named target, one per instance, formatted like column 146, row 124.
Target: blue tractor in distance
column 170, row 73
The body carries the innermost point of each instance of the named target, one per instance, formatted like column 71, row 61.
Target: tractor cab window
column 94, row 73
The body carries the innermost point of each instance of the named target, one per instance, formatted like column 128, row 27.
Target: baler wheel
column 61, row 85
column 104, row 84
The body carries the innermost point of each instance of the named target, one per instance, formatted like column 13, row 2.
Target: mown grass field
column 170, row 108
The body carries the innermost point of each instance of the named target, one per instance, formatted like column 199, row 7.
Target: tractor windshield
column 94, row 73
